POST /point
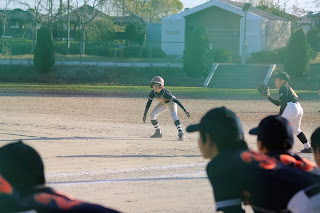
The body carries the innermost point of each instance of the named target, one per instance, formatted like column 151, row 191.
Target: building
column 19, row 23
column 305, row 22
column 315, row 22
column 224, row 23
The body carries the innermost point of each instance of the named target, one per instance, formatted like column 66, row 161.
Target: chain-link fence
column 90, row 51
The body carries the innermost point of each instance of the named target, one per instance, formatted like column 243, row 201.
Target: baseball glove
column 263, row 89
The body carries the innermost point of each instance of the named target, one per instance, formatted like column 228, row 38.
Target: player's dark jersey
column 246, row 175
column 286, row 94
column 8, row 197
column 164, row 95
column 46, row 200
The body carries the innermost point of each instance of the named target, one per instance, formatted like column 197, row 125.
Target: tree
column 147, row 9
column 44, row 51
column 4, row 22
column 35, row 10
column 197, row 56
column 101, row 30
column 136, row 32
column 297, row 61
column 86, row 14
column 313, row 37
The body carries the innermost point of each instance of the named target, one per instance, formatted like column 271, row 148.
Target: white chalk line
column 115, row 171
column 188, row 176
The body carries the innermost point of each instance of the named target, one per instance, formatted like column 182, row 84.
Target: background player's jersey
column 296, row 161
column 286, row 94
column 259, row 179
column 47, row 200
column 8, row 197
column 164, row 96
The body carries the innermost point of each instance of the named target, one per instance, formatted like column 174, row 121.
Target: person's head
column 21, row 165
column 281, row 78
column 274, row 133
column 315, row 144
column 157, row 83
column 220, row 130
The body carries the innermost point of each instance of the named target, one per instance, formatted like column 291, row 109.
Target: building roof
column 305, row 20
column 233, row 7
column 18, row 14
column 124, row 20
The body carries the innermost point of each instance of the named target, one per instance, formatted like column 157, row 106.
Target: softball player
column 290, row 107
column 167, row 101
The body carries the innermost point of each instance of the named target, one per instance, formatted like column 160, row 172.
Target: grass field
column 142, row 91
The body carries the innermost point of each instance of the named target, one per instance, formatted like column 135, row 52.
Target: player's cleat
column 307, row 150
column 157, row 134
column 181, row 136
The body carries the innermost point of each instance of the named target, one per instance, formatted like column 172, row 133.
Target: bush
column 44, row 51
column 222, row 56
column 297, row 61
column 132, row 51
column 18, row 46
column 99, row 48
column 269, row 57
column 313, row 37
column 135, row 32
column 60, row 47
column 156, row 52
column 102, row 30
column 197, row 56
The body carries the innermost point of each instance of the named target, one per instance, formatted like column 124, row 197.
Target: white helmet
column 157, row 79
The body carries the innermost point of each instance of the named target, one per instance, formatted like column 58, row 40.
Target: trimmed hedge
column 222, row 55
column 269, row 57
column 19, row 46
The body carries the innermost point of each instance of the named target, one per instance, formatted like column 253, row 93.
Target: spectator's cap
column 222, row 124
column 21, row 165
column 315, row 139
column 275, row 132
column 283, row 76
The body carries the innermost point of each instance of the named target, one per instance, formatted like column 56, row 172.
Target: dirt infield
column 99, row 150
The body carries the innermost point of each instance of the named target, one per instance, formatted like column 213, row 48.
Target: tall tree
column 297, row 61
column 86, row 14
column 35, row 10
column 4, row 18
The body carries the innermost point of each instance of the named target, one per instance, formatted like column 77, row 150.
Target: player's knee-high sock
column 303, row 140
column 178, row 125
column 155, row 124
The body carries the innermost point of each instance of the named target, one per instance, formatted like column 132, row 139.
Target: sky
column 307, row 5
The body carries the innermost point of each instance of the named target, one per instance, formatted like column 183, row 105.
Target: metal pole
column 244, row 46
column 68, row 29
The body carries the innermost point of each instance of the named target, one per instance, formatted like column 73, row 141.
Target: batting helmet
column 158, row 80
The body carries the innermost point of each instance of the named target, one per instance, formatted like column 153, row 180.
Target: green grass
column 143, row 91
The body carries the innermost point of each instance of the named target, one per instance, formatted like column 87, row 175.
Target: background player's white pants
column 293, row 113
column 161, row 107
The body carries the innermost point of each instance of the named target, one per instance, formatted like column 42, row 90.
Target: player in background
column 23, row 168
column 290, row 107
column 315, row 143
column 275, row 138
column 238, row 174
column 167, row 101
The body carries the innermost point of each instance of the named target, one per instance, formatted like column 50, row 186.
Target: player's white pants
column 293, row 113
column 161, row 107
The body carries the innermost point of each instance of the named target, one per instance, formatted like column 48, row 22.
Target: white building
column 224, row 23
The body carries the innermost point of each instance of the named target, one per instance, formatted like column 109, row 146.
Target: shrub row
column 97, row 48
